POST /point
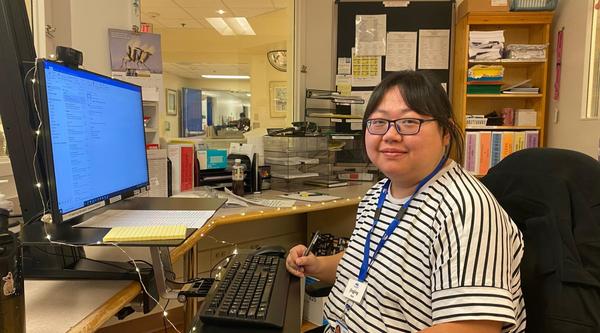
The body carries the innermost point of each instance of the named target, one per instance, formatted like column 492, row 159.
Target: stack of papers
column 531, row 52
column 263, row 202
column 486, row 45
column 310, row 196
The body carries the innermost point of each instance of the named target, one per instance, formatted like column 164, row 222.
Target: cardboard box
column 469, row 6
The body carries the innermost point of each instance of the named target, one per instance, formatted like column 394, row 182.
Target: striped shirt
column 454, row 256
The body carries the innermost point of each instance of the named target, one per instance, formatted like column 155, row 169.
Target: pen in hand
column 312, row 243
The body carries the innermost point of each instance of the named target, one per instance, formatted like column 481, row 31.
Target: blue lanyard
column 364, row 268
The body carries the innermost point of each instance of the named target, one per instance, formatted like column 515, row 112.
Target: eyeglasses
column 404, row 126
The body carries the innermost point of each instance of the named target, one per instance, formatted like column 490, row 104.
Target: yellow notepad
column 145, row 233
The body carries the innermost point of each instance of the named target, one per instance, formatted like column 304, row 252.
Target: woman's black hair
column 423, row 94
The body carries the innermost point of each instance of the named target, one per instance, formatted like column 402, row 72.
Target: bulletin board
column 417, row 16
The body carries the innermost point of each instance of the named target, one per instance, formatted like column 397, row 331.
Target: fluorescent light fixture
column 226, row 77
column 221, row 26
column 221, row 11
column 230, row 26
column 240, row 25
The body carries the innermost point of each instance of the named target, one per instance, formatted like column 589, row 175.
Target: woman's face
column 404, row 158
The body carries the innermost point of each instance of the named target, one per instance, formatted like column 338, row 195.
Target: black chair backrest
column 553, row 195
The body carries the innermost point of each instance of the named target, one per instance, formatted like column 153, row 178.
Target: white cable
column 144, row 287
column 37, row 136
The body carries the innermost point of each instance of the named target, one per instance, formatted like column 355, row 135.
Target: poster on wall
column 135, row 53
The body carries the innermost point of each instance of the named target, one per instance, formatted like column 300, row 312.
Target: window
column 593, row 96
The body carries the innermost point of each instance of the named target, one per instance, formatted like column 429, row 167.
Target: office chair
column 553, row 195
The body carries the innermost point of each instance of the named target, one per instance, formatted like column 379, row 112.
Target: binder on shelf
column 531, row 139
column 157, row 172
column 485, row 151
column 507, row 144
column 182, row 160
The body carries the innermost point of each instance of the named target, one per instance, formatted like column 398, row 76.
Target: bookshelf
column 519, row 28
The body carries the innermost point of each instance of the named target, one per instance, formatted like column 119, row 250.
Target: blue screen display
column 97, row 136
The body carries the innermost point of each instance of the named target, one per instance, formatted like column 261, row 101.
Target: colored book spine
column 507, row 144
column 182, row 161
column 531, row 139
column 485, row 139
column 519, row 141
column 470, row 151
column 496, row 148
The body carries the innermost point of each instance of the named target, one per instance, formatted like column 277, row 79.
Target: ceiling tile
column 218, row 4
column 202, row 12
column 234, row 4
column 167, row 12
column 156, row 3
column 251, row 12
column 280, row 3
column 176, row 23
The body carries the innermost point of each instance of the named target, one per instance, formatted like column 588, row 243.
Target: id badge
column 355, row 290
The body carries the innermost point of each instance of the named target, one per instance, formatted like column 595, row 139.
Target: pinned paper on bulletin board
column 366, row 70
column 434, row 46
column 370, row 35
column 344, row 66
column 401, row 51
column 343, row 84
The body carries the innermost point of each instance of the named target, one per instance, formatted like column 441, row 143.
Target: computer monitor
column 93, row 132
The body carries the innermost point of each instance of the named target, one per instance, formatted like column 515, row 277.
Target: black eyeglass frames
column 404, row 126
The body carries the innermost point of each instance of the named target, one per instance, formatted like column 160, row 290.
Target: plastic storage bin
column 532, row 5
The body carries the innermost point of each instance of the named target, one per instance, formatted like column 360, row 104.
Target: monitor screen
column 96, row 151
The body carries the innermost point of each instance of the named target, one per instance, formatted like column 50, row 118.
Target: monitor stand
column 44, row 261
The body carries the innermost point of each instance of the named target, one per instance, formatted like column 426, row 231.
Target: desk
column 350, row 197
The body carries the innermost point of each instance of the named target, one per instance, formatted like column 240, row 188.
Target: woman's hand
column 300, row 265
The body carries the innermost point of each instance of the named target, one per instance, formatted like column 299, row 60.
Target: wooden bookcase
column 519, row 28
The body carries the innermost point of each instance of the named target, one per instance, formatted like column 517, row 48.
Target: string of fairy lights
column 47, row 218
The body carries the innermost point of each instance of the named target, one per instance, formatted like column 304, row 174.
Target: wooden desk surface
column 349, row 196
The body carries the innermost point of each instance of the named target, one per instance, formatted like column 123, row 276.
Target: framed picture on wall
column 171, row 102
column 278, row 97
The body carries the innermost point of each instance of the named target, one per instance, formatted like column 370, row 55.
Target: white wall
column 570, row 131
column 316, row 44
column 90, row 21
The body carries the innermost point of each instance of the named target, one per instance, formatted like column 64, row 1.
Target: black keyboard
column 253, row 291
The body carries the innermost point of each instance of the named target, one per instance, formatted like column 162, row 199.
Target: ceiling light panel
column 240, row 26
column 226, row 77
column 221, row 26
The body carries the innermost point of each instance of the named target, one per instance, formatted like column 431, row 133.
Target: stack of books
column 483, row 79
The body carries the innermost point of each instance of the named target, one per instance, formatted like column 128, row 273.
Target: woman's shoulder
column 455, row 179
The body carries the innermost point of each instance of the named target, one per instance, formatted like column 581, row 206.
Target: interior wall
column 169, row 124
column 565, row 126
column 90, row 21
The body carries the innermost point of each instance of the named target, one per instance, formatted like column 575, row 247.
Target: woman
column 432, row 250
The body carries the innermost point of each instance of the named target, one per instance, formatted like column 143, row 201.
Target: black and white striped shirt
column 454, row 256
